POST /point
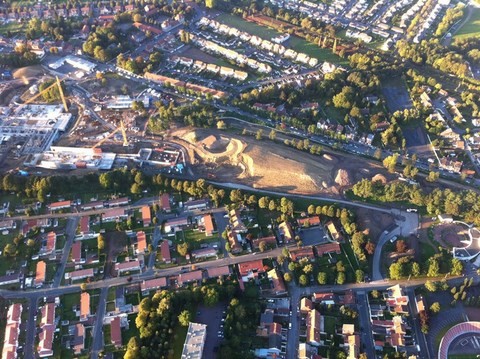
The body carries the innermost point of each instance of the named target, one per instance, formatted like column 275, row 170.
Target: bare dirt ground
column 267, row 165
column 197, row 54
column 30, row 71
column 373, row 223
column 112, row 86
column 450, row 235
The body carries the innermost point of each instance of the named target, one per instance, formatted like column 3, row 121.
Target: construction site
column 72, row 137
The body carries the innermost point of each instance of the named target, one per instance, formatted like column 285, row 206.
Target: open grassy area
column 330, row 324
column 180, row 333
column 131, row 331
column 312, row 50
column 13, row 27
column 470, row 28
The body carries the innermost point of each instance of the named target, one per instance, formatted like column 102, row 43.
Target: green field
column 472, row 27
column 13, row 27
column 296, row 43
column 250, row 27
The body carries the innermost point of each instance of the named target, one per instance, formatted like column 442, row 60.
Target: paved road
column 377, row 256
column 30, row 349
column 365, row 323
column 98, row 340
column 419, row 336
column 70, row 232
column 156, row 237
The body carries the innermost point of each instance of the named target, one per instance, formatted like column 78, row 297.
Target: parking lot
column 213, row 317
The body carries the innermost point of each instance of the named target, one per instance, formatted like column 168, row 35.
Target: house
column 396, row 300
column 78, row 343
column 11, row 279
column 12, row 331
column 300, row 253
column 84, row 225
column 218, row 272
column 198, row 204
column 249, row 270
column 84, row 306
column 270, row 241
column 275, row 336
column 79, row 274
column 306, row 305
column 51, row 242
column 286, row 233
column 165, row 203
column 146, row 216
column 332, row 229
column 47, row 326
column 77, row 253
column 208, row 224
column 445, row 218
column 92, row 206
column 306, row 351
column 278, row 285
column 116, row 332
column 114, row 214
column 7, row 224
column 309, row 222
column 153, row 284
column 119, row 298
column 189, row 277
column 56, row 206
column 165, row 251
column 236, row 221
column 353, row 345
column 125, row 267
column 450, row 164
column 328, row 248
column 176, row 224
column 40, row 275
column 141, row 245
column 314, row 327
column 204, row 253
column 349, row 298
column 123, row 201
column 235, row 239
column 324, row 298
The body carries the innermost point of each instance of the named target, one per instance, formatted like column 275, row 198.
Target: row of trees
column 463, row 204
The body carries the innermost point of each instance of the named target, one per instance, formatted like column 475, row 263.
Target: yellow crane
column 120, row 128
column 60, row 90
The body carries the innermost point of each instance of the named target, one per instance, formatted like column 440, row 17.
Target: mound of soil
column 379, row 177
column 343, row 178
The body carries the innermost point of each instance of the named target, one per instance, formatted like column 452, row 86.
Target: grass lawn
column 13, row 27
column 180, row 333
column 470, row 28
column 250, row 27
column 195, row 238
column 68, row 301
column 132, row 329
column 330, row 324
column 426, row 251
column 300, row 45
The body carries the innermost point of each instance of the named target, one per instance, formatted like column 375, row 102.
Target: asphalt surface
column 98, row 341
column 365, row 323
column 70, row 232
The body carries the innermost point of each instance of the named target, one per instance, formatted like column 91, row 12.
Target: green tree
column 262, row 246
column 210, row 4
column 415, row 269
column 303, row 280
column 390, row 162
column 432, row 176
column 430, row 286
column 182, row 249
column 435, row 307
column 341, row 278
column 322, row 278
column 287, row 277
column 184, row 318
column 456, row 267
column 100, row 242
column 433, row 268
column 359, row 276
column 221, row 125
column 272, row 135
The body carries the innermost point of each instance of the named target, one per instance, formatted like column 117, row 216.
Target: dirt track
column 268, row 165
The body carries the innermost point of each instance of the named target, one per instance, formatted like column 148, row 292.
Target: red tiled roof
column 40, row 272
column 208, row 224
column 146, row 216
column 84, row 305
column 299, row 253
column 165, row 250
column 165, row 202
column 116, row 332
column 62, row 204
column 190, row 277
column 218, row 271
column 141, row 241
column 312, row 221
column 51, row 241
column 77, row 251
column 85, row 224
column 246, row 267
column 328, row 248
column 145, row 28
column 152, row 284
column 271, row 240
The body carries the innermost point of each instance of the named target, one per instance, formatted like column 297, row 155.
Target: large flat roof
column 194, row 342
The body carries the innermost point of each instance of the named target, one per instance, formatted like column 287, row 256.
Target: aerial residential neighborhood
column 240, row 179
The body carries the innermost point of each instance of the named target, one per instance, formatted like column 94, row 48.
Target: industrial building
column 66, row 158
column 195, row 341
column 74, row 61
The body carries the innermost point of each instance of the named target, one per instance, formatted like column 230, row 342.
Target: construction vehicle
column 119, row 128
column 60, row 89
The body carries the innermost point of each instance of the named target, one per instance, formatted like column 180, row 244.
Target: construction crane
column 120, row 128
column 60, row 90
